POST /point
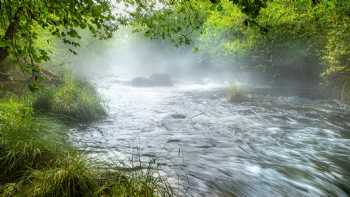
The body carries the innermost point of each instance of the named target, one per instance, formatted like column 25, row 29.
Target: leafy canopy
column 22, row 20
column 304, row 39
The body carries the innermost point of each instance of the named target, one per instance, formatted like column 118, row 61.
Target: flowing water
column 266, row 146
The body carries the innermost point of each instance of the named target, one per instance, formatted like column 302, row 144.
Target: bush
column 74, row 99
column 26, row 142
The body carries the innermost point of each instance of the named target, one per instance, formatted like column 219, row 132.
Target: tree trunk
column 9, row 35
column 3, row 53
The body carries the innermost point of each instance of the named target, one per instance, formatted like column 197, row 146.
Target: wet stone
column 178, row 116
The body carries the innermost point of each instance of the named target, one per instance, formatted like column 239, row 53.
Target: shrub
column 74, row 99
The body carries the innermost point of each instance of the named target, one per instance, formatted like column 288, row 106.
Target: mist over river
column 265, row 146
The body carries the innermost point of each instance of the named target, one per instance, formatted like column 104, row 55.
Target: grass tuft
column 69, row 177
column 74, row 100
column 9, row 190
column 139, row 181
column 235, row 93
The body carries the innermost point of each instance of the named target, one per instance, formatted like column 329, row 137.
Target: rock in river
column 178, row 116
column 153, row 81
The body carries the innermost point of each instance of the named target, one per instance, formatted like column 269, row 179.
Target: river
column 266, row 146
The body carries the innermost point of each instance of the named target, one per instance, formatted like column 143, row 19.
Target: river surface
column 266, row 146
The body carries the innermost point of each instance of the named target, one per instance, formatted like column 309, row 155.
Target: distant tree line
column 304, row 41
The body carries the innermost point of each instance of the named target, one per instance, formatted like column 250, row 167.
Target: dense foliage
column 305, row 42
column 25, row 22
column 301, row 43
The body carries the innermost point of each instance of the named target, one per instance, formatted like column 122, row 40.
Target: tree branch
column 10, row 34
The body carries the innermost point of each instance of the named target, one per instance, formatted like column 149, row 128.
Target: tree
column 249, row 7
column 21, row 19
column 176, row 21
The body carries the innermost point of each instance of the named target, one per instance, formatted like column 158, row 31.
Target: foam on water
column 266, row 146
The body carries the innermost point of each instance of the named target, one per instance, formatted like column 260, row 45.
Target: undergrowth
column 27, row 142
column 73, row 99
column 36, row 161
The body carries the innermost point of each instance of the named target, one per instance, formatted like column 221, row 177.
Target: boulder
column 178, row 116
column 161, row 80
column 153, row 81
column 142, row 82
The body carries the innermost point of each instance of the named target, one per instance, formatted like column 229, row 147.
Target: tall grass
column 71, row 176
column 135, row 181
column 74, row 176
column 73, row 99
column 36, row 161
column 26, row 142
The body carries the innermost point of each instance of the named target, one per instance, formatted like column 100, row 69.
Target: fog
column 129, row 54
column 204, row 144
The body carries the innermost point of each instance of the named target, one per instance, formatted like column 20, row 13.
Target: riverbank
column 37, row 160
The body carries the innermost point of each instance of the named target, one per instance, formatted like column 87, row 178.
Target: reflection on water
column 267, row 146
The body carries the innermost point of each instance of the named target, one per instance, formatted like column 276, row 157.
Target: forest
column 225, row 98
